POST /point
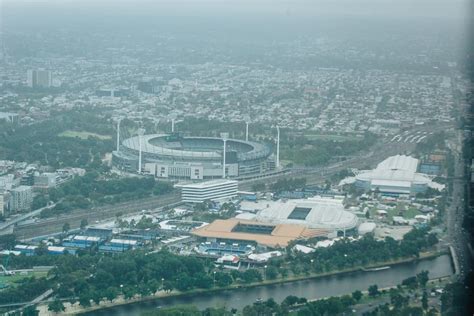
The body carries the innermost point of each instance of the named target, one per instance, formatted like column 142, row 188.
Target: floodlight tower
column 246, row 131
column 118, row 133
column 278, row 148
column 224, row 136
column 141, row 131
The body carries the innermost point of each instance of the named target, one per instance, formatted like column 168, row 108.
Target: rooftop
column 280, row 236
column 207, row 184
column 318, row 213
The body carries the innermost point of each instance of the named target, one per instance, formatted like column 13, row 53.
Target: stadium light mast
column 140, row 135
column 118, row 134
column 224, row 139
column 278, row 148
column 246, row 131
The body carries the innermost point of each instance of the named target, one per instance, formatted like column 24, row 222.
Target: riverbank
column 76, row 309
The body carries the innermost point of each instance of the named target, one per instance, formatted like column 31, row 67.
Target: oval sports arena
column 195, row 158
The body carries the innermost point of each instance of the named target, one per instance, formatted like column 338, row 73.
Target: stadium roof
column 318, row 213
column 257, row 149
column 280, row 235
column 396, row 171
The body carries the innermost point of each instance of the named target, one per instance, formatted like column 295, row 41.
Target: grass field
column 83, row 135
column 10, row 280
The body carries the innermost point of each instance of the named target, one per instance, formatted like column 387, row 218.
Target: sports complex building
column 275, row 224
column 394, row 176
column 195, row 158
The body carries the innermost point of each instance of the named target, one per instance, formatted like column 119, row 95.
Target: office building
column 21, row 198
column 39, row 78
column 209, row 191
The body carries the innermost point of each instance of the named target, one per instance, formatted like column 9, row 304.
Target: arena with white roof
column 276, row 223
column 318, row 213
column 395, row 175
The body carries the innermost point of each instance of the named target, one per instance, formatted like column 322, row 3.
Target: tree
column 224, row 279
column 56, row 306
column 290, row 300
column 30, row 311
column 129, row 292
column 66, row 227
column 283, row 272
column 373, row 290
column 357, row 295
column 111, row 293
column 7, row 241
column 96, row 297
column 39, row 201
column 422, row 278
column 424, row 300
column 397, row 300
column 272, row 273
column 411, row 282
column 85, row 300
column 84, row 223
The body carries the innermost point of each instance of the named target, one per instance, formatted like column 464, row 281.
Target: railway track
column 55, row 225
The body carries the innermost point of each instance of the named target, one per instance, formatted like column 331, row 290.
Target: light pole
column 141, row 131
column 265, row 271
column 224, row 137
column 162, row 284
column 118, row 134
column 214, row 277
column 246, row 131
column 278, row 148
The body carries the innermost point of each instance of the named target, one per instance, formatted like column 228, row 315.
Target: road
column 457, row 236
column 21, row 218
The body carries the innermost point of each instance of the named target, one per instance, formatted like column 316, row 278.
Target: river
column 311, row 289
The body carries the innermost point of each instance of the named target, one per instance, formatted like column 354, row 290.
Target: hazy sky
column 377, row 18
column 407, row 8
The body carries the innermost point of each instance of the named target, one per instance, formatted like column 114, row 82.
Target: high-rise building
column 21, row 198
column 2, row 204
column 39, row 78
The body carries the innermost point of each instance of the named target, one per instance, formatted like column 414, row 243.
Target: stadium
column 195, row 158
column 275, row 224
column 396, row 175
